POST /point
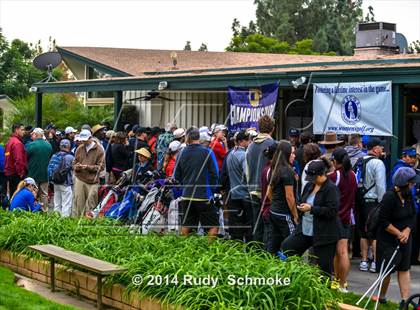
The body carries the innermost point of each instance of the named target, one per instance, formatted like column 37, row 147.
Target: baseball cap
column 409, row 151
column 69, row 129
column 84, row 135
column 241, row 135
column 38, row 131
column 315, row 168
column 204, row 129
column 30, row 181
column 65, row 143
column 219, row 128
column 204, row 137
column 374, row 142
column 405, row 175
column 143, row 151
column 86, row 126
column 50, row 126
column 293, row 132
column 252, row 133
column 140, row 130
column 174, row 146
column 179, row 133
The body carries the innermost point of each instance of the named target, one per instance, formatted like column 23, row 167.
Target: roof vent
column 376, row 38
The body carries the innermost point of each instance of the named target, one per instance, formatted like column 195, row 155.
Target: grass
column 351, row 299
column 16, row 298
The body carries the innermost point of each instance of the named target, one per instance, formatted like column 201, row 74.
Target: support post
column 52, row 273
column 38, row 109
column 99, row 293
column 118, row 98
column 397, row 123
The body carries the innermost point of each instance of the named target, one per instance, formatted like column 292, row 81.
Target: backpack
column 56, row 171
column 360, row 171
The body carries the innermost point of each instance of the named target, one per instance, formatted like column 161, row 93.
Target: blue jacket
column 1, row 158
column 197, row 171
column 25, row 201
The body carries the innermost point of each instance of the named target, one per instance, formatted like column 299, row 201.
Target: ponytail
column 346, row 165
column 22, row 184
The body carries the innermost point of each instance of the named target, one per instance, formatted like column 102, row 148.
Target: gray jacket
column 236, row 166
column 255, row 162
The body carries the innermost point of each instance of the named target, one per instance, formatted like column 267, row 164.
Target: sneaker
column 335, row 285
column 381, row 300
column 364, row 266
column 372, row 267
column 343, row 290
column 402, row 304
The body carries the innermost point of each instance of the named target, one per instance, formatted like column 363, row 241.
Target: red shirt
column 347, row 186
column 16, row 162
column 170, row 167
column 219, row 151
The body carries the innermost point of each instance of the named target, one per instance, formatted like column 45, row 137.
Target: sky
column 157, row 24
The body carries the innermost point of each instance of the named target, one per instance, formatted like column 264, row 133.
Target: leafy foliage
column 330, row 24
column 60, row 109
column 175, row 256
column 187, row 46
column 203, row 47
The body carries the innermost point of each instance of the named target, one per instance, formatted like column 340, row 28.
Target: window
column 96, row 74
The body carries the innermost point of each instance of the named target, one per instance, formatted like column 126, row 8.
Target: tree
column 17, row 73
column 187, row 46
column 203, row 47
column 329, row 23
column 414, row 47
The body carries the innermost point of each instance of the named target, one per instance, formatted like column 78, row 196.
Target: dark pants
column 298, row 243
column 282, row 227
column 257, row 220
column 240, row 219
column 13, row 181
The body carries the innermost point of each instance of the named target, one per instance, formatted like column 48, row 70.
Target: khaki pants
column 85, row 197
column 43, row 194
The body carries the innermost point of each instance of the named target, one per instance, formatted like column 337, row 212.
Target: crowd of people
column 291, row 195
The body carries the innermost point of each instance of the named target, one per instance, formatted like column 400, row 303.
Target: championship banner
column 361, row 107
column 248, row 105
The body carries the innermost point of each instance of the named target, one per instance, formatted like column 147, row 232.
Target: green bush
column 175, row 256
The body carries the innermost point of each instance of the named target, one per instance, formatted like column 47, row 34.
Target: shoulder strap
column 364, row 164
column 337, row 181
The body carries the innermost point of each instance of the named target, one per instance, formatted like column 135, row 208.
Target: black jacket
column 325, row 212
column 197, row 171
column 118, row 156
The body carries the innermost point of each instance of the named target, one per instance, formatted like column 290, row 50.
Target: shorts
column 345, row 231
column 194, row 212
column 363, row 216
column 402, row 259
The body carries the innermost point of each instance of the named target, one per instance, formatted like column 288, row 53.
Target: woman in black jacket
column 397, row 218
column 318, row 226
column 117, row 159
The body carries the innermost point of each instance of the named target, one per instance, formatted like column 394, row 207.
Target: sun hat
column 144, row 152
column 174, row 146
column 96, row 128
column 405, row 175
column 84, row 135
column 330, row 137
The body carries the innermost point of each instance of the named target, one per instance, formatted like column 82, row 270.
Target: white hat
column 204, row 137
column 219, row 128
column 38, row 131
column 180, row 132
column 204, row 129
column 84, row 135
column 170, row 126
column 174, row 146
column 30, row 181
column 69, row 130
column 252, row 133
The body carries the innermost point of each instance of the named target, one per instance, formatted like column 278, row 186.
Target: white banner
column 360, row 107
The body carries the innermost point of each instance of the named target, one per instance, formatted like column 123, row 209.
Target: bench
column 96, row 266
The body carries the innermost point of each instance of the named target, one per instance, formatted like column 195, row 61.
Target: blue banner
column 247, row 105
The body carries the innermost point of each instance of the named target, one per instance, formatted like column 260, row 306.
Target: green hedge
column 175, row 256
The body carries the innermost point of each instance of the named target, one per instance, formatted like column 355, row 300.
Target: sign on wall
column 361, row 107
column 247, row 105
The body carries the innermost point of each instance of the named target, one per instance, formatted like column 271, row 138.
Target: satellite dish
column 47, row 62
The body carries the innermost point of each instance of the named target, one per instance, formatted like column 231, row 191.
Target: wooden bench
column 96, row 266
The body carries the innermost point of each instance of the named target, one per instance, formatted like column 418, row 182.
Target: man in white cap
column 70, row 133
column 89, row 161
column 39, row 152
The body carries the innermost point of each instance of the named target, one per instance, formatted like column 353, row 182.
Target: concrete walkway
column 59, row 296
column 360, row 281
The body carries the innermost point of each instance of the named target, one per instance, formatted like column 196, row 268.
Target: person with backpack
column 345, row 179
column 60, row 174
column 396, row 221
column 355, row 148
column 371, row 178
